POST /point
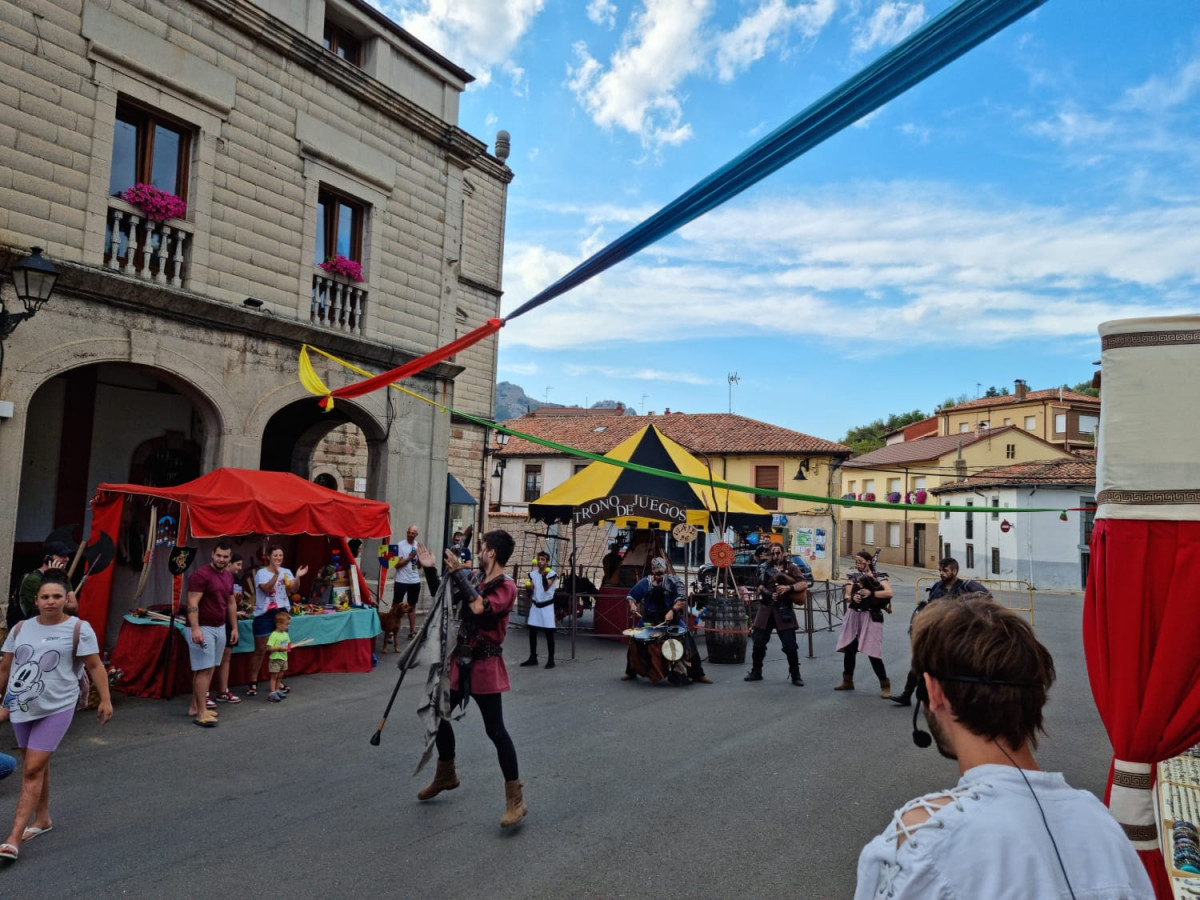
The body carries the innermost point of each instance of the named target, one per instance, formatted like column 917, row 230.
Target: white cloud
column 637, row 373
column 478, row 35
column 637, row 92
column 515, row 368
column 1158, row 93
column 602, row 12
column 890, row 23
column 641, row 87
column 766, row 28
column 879, row 264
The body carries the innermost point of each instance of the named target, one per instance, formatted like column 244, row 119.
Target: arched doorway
column 344, row 446
column 108, row 422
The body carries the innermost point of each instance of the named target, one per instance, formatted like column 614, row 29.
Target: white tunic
column 544, row 617
column 989, row 842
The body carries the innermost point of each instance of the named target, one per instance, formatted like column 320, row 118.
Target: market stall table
column 341, row 642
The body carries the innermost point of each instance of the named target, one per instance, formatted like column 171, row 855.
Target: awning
column 456, row 494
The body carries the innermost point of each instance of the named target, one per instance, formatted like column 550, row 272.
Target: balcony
column 157, row 252
column 337, row 304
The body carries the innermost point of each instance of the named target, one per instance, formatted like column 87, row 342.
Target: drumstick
column 302, row 643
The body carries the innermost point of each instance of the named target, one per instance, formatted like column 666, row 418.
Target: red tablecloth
column 139, row 653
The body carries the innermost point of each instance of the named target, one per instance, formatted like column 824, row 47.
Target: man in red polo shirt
column 210, row 605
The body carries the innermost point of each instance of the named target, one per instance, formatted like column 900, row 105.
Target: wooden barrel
column 725, row 627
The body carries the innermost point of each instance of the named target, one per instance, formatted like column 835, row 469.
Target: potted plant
column 341, row 265
column 869, row 497
column 155, row 204
column 893, row 497
column 919, row 496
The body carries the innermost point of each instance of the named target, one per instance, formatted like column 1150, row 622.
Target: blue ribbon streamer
column 941, row 41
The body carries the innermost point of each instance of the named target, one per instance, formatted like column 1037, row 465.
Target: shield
column 180, row 559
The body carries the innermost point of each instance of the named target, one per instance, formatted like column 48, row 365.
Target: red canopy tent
column 228, row 502
column 1141, row 621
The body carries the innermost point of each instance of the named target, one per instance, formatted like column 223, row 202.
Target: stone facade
column 273, row 122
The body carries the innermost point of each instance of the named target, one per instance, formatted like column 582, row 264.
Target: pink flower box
column 156, row 205
column 340, row 265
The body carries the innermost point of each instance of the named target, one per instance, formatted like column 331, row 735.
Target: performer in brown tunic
column 781, row 587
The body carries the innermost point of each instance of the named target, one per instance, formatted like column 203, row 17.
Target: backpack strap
column 75, row 638
column 17, row 629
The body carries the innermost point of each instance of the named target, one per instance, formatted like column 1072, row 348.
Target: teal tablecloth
column 330, row 628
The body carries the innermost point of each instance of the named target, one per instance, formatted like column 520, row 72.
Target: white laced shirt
column 985, row 838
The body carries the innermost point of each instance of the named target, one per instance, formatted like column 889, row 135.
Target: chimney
column 666, row 410
column 1021, row 389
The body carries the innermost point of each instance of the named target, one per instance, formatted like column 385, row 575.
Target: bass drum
column 725, row 628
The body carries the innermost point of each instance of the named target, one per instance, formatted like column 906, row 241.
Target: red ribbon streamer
column 417, row 365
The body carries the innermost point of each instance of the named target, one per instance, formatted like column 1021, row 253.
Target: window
column 995, row 560
column 946, row 554
column 1030, row 423
column 339, row 227
column 868, row 485
column 343, row 43
column 766, row 477
column 1060, row 423
column 1010, row 451
column 970, row 556
column 578, row 467
column 850, row 485
column 868, row 533
column 918, row 483
column 964, row 427
column 1088, row 424
column 533, row 482
column 946, row 515
column 893, row 534
column 150, row 149
column 893, row 485
column 1007, row 421
column 995, row 508
column 970, row 521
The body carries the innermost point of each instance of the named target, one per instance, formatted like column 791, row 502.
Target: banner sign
column 629, row 506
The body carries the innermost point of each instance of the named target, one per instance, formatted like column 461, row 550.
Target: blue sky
column 973, row 231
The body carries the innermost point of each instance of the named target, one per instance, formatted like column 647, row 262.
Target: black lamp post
column 493, row 441
column 33, row 278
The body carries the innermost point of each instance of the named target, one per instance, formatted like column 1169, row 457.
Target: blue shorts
column 265, row 624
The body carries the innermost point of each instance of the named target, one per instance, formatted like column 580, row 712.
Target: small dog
column 390, row 622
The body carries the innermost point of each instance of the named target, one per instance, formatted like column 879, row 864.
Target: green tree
column 870, row 437
column 1084, row 387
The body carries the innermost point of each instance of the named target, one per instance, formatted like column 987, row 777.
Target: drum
column 725, row 628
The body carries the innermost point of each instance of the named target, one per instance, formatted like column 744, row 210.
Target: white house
column 1045, row 549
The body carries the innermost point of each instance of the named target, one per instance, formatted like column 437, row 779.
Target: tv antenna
column 733, row 379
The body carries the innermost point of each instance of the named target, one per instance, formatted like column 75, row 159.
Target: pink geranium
column 340, row 265
column 156, row 204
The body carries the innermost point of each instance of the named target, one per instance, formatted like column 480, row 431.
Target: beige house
column 907, row 472
column 295, row 133
column 1058, row 416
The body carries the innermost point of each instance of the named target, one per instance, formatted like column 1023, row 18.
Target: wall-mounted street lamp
column 801, row 469
column 33, row 278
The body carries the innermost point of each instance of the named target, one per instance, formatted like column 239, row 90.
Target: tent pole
column 574, row 602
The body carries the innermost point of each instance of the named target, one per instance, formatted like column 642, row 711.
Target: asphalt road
column 760, row 790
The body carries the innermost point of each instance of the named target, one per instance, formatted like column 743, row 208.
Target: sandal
column 9, row 852
column 207, row 722
column 251, row 690
column 33, row 831
column 284, row 689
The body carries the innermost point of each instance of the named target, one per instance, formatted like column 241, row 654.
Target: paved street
column 734, row 789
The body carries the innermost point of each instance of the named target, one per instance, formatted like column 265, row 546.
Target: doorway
column 918, row 557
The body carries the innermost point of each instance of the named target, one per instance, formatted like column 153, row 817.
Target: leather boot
column 885, row 688
column 756, row 660
column 794, row 669
column 904, row 699
column 846, row 685
column 532, row 661
column 444, row 779
column 516, row 809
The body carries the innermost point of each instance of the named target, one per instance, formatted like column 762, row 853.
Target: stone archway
column 345, row 443
column 105, row 422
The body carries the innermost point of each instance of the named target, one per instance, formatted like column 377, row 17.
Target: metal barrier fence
column 1016, row 595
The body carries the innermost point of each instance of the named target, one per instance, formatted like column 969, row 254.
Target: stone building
column 294, row 132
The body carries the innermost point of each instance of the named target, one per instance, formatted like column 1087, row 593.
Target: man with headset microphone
column 1007, row 829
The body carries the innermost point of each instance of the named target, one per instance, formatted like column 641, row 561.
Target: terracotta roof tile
column 714, row 433
column 1009, row 399
column 1042, row 472
column 920, row 450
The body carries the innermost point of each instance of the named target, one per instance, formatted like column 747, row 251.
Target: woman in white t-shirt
column 42, row 661
column 273, row 585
